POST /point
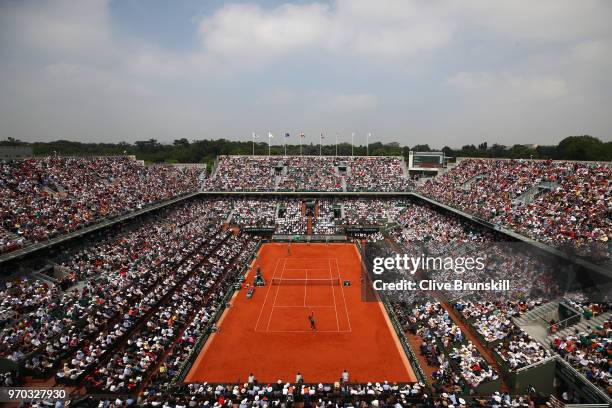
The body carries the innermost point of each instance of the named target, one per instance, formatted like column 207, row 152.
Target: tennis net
column 306, row 281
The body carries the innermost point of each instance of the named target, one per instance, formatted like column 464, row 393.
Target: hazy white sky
column 429, row 71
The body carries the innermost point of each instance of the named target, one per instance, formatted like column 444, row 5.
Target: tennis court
column 270, row 336
column 301, row 287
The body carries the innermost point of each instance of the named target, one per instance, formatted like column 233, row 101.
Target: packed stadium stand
column 45, row 197
column 308, row 173
column 119, row 316
column 563, row 204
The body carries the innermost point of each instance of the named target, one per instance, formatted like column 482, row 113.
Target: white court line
column 305, row 287
column 308, row 331
column 304, row 307
column 329, row 269
column 334, row 295
column 343, row 297
column 275, row 297
column 309, row 259
column 267, row 293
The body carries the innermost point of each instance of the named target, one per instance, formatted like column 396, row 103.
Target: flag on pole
column 301, row 137
column 336, row 143
column 286, row 137
column 321, row 143
column 270, row 136
column 255, row 136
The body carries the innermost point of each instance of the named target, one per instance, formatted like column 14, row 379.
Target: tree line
column 585, row 147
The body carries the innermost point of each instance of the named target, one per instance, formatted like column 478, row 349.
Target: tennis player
column 311, row 319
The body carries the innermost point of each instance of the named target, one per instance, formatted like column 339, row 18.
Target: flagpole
column 269, row 139
column 320, row 141
column 368, row 144
column 301, row 135
column 285, row 144
column 253, row 138
column 352, row 142
column 336, row 144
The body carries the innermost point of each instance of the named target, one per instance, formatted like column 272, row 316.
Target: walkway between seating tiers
column 415, row 342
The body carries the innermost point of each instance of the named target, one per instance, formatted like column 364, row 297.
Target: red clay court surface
column 270, row 335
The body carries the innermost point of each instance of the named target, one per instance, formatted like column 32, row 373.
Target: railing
column 570, row 321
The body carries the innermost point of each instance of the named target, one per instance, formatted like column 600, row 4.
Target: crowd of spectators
column 10, row 241
column 588, row 309
column 186, row 289
column 520, row 350
column 371, row 173
column 242, row 173
column 370, row 211
column 308, row 173
column 45, row 197
column 589, row 351
column 289, row 395
column 22, row 294
column 492, row 320
column 294, row 220
column 434, row 325
column 114, row 273
column 528, row 276
column 211, row 303
column 254, row 212
column 146, row 294
column 473, row 366
column 422, row 228
column 324, row 221
column 254, row 394
column 564, row 204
